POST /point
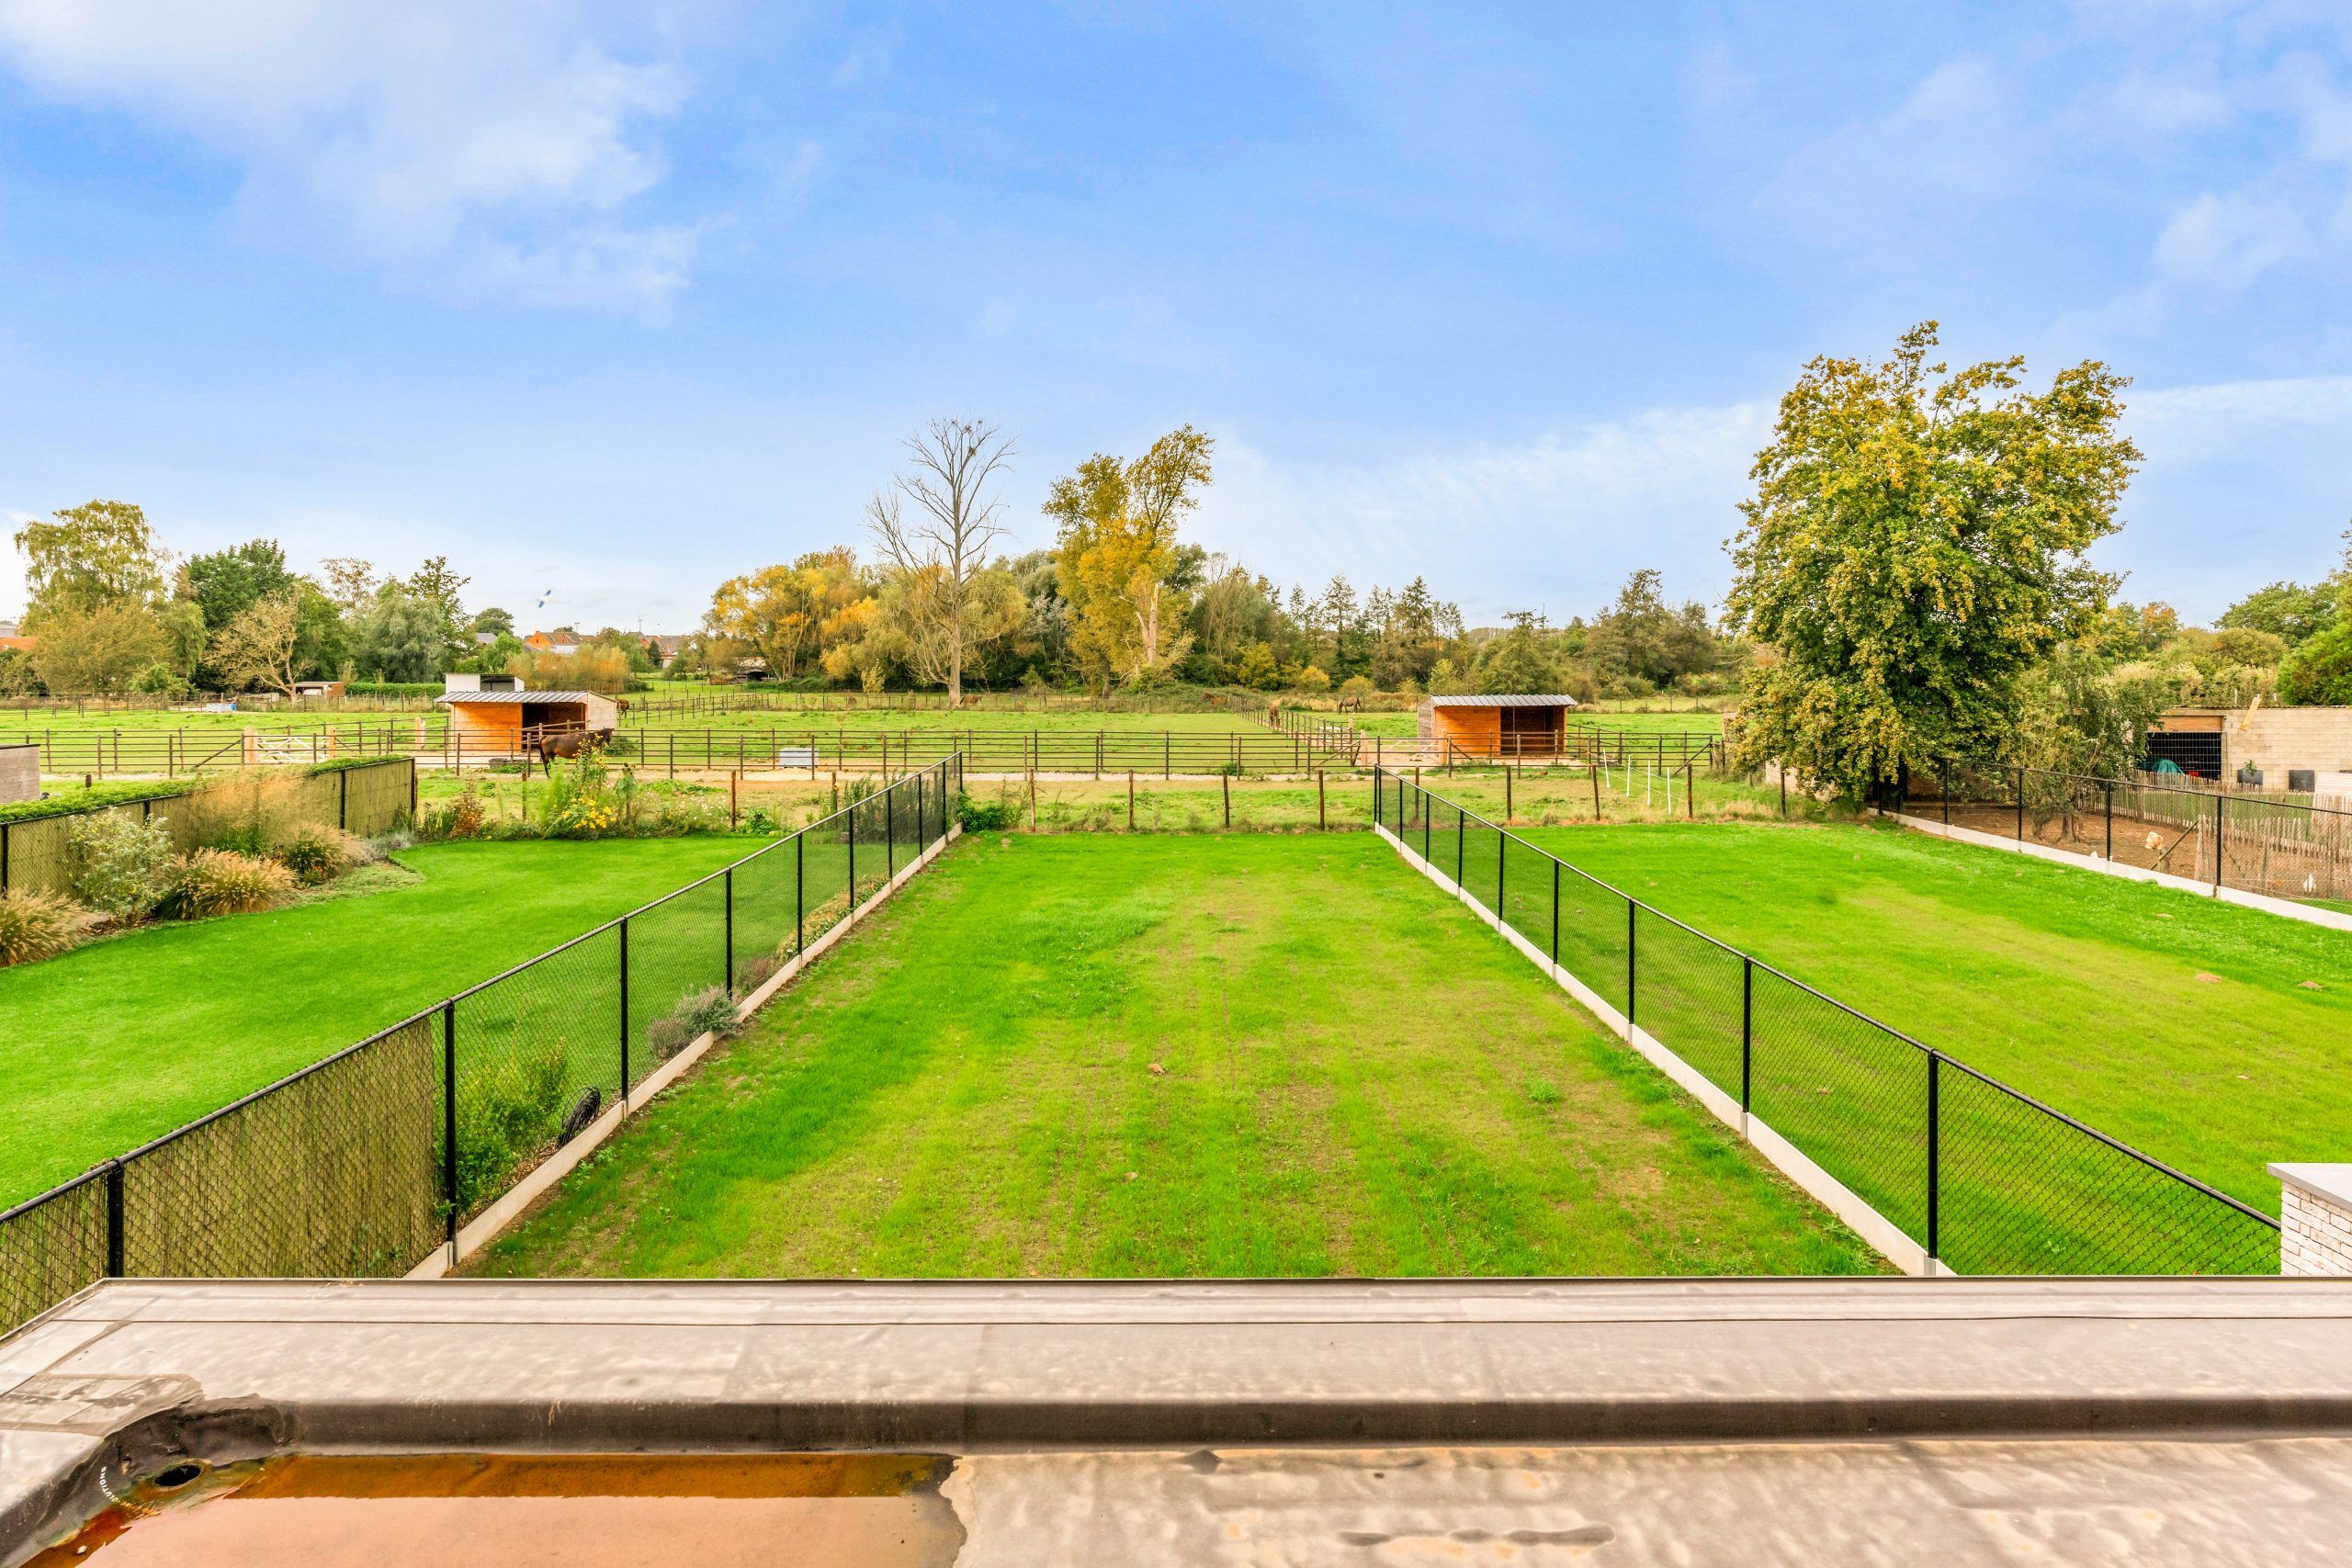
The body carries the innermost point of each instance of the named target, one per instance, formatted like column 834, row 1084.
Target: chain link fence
column 2282, row 843
column 36, row 853
column 1985, row 1180
column 360, row 1165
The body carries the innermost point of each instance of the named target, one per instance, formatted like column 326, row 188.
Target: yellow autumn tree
column 1116, row 547
column 788, row 615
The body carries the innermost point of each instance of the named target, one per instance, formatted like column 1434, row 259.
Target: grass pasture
column 127, row 1038
column 2209, row 1035
column 1176, row 1056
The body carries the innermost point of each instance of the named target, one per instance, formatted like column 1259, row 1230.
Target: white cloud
column 467, row 149
column 1555, row 523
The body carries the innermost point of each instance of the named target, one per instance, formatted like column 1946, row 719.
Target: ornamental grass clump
column 35, row 926
column 316, row 853
column 222, row 882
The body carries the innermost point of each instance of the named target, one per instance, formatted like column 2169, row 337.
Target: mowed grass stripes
column 1174, row 1056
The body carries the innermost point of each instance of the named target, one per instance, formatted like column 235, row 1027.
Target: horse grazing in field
column 551, row 744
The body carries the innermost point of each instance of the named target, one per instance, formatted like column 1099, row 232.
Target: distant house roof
column 470, row 698
column 1514, row 700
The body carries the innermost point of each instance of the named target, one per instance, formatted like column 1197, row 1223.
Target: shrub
column 35, row 925
column 2320, row 669
column 222, row 882
column 507, row 1109
column 709, row 1011
column 986, row 816
column 582, row 800
column 461, row 818
column 122, row 864
column 315, row 852
column 756, row 971
column 1312, row 679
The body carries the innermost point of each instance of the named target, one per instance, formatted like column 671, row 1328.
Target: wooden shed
column 517, row 724
column 1513, row 725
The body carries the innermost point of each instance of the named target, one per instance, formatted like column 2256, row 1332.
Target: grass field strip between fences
column 1939, row 1167
column 2264, row 851
column 36, row 853
column 378, row 1156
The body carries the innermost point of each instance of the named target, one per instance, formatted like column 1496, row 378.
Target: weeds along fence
column 2281, row 846
column 363, row 1163
column 1980, row 1178
column 36, row 853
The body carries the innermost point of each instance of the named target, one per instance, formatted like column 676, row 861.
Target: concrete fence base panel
column 1841, row 1199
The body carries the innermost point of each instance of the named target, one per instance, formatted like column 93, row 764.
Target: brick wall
column 2315, row 1219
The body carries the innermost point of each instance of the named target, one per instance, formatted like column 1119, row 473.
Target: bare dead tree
column 943, row 546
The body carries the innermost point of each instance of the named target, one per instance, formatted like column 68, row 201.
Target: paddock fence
column 363, row 1163
column 2284, row 846
column 671, row 749
column 1982, row 1178
column 36, row 853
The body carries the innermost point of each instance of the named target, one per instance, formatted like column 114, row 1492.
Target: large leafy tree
column 226, row 584
column 99, row 553
column 789, row 616
column 403, row 636
column 1914, row 548
column 1118, row 557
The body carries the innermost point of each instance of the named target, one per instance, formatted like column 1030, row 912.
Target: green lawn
column 2208, row 1036
column 1174, row 1055
column 127, row 1038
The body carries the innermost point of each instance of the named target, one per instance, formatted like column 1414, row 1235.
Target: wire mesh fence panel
column 1527, row 892
column 765, row 886
column 1850, row 1095
column 1687, row 996
column 536, row 1049
column 2022, row 1191
column 379, row 798
column 331, row 1172
column 1481, row 863
column 677, row 952
column 1593, row 935
column 825, row 854
column 40, row 855
column 50, row 1248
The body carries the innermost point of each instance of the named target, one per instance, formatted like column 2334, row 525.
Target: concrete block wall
column 2315, row 1220
column 2276, row 740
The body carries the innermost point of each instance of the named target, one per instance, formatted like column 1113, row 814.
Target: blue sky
column 617, row 299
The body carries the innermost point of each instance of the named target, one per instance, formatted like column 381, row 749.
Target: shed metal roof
column 470, row 698
column 1557, row 700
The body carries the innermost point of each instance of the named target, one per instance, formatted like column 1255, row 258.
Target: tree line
column 111, row 611
column 1121, row 601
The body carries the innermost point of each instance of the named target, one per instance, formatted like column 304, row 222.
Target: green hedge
column 95, row 796
column 392, row 687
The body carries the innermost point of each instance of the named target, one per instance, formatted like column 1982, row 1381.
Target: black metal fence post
column 1556, row 911
column 2107, row 792
column 889, row 834
column 799, row 885
column 624, row 1007
column 1502, row 843
column 1746, row 1030
column 1943, row 787
column 1461, row 842
column 1934, row 1151
column 2020, row 805
column 1632, row 909
column 851, row 829
column 113, row 1219
column 728, row 883
column 449, row 1118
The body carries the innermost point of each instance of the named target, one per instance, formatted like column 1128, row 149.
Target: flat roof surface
column 1510, row 701
column 1887, row 1420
